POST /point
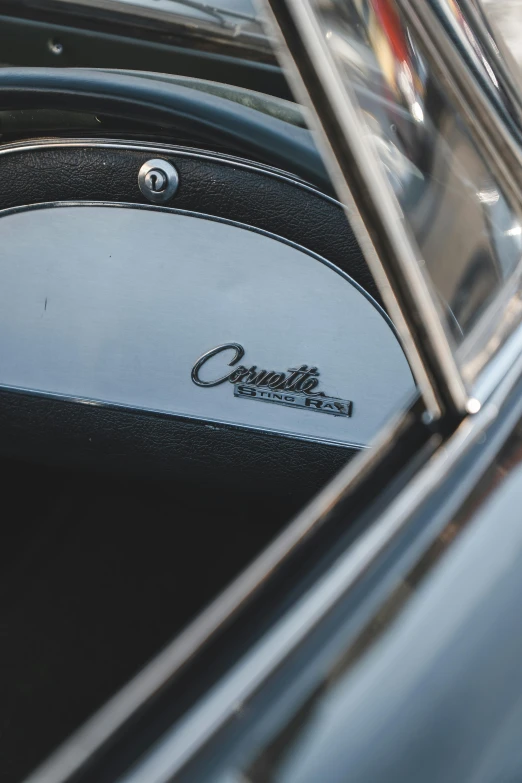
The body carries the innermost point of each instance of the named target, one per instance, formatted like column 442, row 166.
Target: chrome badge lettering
column 296, row 387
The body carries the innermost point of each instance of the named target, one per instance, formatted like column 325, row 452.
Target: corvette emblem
column 295, row 388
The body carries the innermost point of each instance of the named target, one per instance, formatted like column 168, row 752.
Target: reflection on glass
column 468, row 235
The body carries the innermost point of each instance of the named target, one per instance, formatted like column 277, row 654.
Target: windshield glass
column 240, row 10
column 237, row 16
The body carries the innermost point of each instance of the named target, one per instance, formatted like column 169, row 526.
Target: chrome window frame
column 454, row 380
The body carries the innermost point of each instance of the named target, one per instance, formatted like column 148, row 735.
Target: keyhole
column 156, row 181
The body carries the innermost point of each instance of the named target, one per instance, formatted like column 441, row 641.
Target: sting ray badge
column 296, row 387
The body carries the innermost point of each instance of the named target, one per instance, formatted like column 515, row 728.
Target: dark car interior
column 133, row 494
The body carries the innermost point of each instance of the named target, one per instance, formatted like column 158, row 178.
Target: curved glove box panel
column 107, row 303
column 115, row 305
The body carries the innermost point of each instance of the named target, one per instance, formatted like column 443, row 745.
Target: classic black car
column 259, row 392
